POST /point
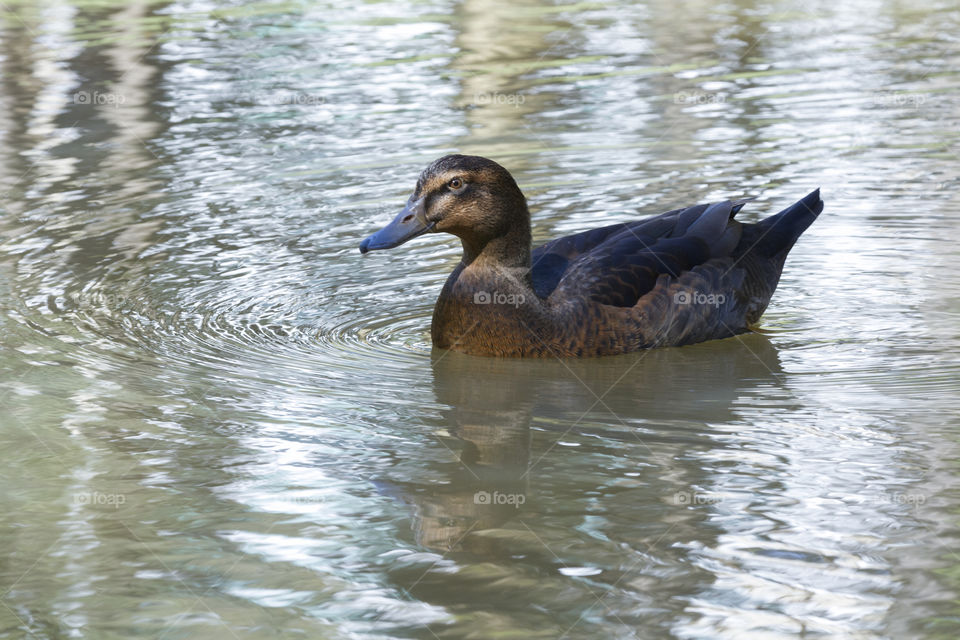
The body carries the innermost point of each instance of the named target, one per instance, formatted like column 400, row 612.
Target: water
column 220, row 421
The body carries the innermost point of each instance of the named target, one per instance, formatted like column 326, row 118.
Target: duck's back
column 684, row 276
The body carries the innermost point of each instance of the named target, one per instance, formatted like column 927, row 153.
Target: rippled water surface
column 220, row 421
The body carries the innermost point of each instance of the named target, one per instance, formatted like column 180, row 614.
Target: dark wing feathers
column 628, row 271
column 551, row 260
column 618, row 264
column 711, row 224
column 668, row 323
column 686, row 218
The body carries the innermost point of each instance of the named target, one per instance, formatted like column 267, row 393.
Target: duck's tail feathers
column 779, row 232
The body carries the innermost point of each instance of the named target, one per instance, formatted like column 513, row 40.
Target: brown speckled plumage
column 682, row 277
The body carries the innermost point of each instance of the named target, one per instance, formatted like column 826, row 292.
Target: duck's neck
column 508, row 251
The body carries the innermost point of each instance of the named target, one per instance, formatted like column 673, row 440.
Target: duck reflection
column 504, row 416
column 489, row 430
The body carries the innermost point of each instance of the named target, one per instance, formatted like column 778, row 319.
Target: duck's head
column 471, row 197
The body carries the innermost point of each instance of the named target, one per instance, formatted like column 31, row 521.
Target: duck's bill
column 409, row 223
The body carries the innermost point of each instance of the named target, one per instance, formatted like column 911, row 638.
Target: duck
column 674, row 279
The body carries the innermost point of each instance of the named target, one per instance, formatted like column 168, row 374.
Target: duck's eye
column 455, row 184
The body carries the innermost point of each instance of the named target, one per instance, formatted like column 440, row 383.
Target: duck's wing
column 618, row 264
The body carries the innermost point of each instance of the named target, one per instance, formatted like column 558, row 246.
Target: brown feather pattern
column 682, row 277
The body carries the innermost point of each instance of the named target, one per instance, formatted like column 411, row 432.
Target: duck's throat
column 509, row 251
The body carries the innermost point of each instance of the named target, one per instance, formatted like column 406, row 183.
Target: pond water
column 218, row 420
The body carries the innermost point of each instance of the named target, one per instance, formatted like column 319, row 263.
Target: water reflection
column 494, row 403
